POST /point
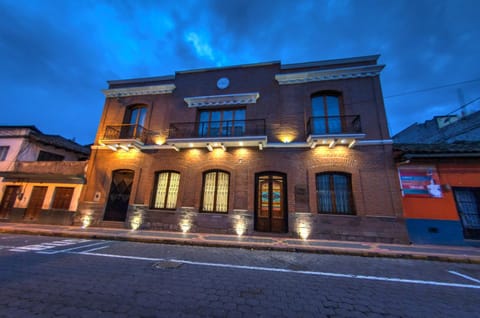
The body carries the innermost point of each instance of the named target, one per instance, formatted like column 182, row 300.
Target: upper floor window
column 215, row 191
column 4, row 152
column 334, row 193
column 48, row 156
column 134, row 122
column 62, row 198
column 221, row 123
column 166, row 190
column 326, row 111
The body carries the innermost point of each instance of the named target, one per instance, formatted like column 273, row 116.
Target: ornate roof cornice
column 329, row 74
column 141, row 90
column 216, row 100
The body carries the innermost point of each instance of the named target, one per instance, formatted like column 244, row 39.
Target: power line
column 431, row 88
column 464, row 105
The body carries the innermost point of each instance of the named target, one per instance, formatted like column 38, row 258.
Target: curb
column 254, row 246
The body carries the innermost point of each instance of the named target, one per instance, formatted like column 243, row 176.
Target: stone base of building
column 51, row 217
column 241, row 222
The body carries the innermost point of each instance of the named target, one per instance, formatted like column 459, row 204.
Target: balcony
column 127, row 135
column 334, row 129
column 228, row 132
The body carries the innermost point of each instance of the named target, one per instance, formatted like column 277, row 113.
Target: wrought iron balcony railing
column 226, row 128
column 127, row 131
column 334, row 125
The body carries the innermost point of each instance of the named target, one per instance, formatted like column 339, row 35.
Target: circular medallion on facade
column 223, row 82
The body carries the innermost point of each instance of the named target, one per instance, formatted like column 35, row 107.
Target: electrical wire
column 431, row 88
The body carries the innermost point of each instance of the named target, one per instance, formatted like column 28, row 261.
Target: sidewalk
column 367, row 249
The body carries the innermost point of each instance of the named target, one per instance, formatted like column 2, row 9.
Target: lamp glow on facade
column 190, row 145
column 240, row 143
column 185, row 225
column 135, row 222
column 240, row 227
column 86, row 221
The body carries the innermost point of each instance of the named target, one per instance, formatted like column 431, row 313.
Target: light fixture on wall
column 314, row 144
column 332, row 144
column 260, row 146
column 223, row 147
column 113, row 147
column 352, row 143
column 175, row 147
column 209, row 147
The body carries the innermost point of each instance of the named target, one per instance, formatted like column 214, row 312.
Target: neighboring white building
column 41, row 176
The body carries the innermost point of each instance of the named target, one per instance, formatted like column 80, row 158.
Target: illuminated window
column 62, row 198
column 166, row 190
column 326, row 113
column 215, row 191
column 221, row 123
column 3, row 152
column 334, row 193
column 134, row 121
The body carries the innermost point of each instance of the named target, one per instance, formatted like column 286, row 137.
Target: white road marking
column 70, row 249
column 47, row 245
column 96, row 249
column 282, row 270
column 465, row 276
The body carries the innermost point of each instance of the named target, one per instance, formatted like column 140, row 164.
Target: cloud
column 56, row 56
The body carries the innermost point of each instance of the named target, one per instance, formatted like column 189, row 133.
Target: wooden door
column 8, row 200
column 35, row 204
column 117, row 205
column 271, row 203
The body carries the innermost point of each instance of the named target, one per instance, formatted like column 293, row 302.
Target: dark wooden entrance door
column 35, row 204
column 8, row 200
column 119, row 196
column 271, row 202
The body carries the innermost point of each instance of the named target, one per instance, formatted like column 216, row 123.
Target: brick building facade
column 301, row 149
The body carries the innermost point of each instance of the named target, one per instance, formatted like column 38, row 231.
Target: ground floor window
column 215, row 191
column 334, row 193
column 166, row 190
column 62, row 198
column 468, row 206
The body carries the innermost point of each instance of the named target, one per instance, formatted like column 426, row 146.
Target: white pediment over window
column 218, row 100
column 329, row 74
column 142, row 90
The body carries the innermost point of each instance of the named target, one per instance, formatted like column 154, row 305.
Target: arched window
column 166, row 190
column 134, row 121
column 326, row 113
column 215, row 191
column 334, row 193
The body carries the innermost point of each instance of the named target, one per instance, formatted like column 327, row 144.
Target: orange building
column 440, row 180
column 299, row 149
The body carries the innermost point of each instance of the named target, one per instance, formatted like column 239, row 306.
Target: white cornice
column 216, row 100
column 330, row 74
column 141, row 90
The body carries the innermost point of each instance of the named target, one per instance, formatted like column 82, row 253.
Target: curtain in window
column 334, row 193
column 215, row 192
column 167, row 190
column 209, row 191
column 324, row 194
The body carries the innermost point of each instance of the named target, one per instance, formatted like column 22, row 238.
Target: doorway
column 271, row 202
column 119, row 196
column 8, row 200
column 35, row 204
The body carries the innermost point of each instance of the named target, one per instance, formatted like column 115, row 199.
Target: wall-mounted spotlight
column 209, row 147
column 223, row 147
column 260, row 146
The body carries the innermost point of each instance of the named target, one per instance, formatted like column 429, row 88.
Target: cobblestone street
column 84, row 278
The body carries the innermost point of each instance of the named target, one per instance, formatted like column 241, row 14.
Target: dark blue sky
column 56, row 55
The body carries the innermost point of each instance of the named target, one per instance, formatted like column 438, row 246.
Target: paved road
column 59, row 277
